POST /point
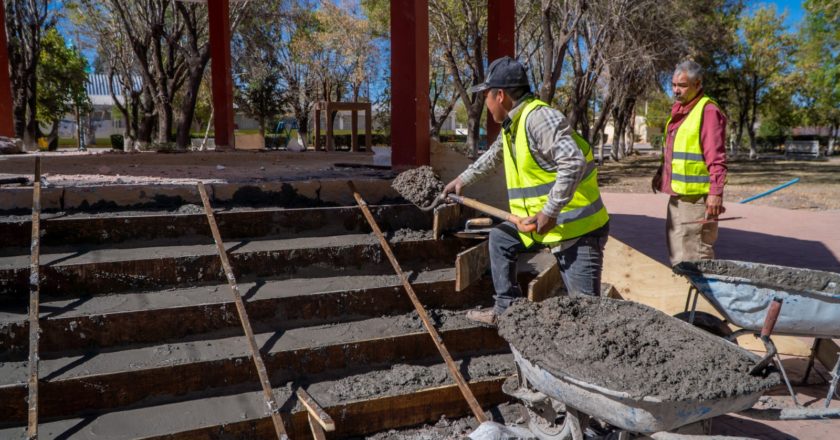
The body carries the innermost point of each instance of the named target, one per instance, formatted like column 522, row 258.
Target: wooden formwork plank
column 546, row 283
column 243, row 318
column 446, row 217
column 131, row 326
column 471, row 265
column 106, row 391
column 826, row 352
column 454, row 373
column 316, row 413
column 34, row 297
column 121, row 275
column 366, row 416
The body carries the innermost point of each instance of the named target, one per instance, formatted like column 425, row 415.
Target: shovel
column 769, row 323
column 485, row 208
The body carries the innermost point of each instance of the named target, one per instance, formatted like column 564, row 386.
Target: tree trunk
column 30, row 136
column 188, row 107
column 474, row 128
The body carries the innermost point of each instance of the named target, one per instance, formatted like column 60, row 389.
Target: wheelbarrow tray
column 646, row 414
column 743, row 300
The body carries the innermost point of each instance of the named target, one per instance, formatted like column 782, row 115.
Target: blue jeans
column 580, row 264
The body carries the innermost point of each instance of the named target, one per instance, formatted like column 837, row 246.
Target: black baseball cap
column 503, row 73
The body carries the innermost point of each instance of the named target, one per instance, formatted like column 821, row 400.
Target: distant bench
column 802, row 149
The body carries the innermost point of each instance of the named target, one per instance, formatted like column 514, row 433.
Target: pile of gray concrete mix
column 629, row 347
column 418, row 185
column 793, row 277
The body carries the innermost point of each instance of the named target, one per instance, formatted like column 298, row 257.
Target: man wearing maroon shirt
column 693, row 169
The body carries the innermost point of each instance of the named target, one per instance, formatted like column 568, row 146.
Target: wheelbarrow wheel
column 708, row 322
column 555, row 421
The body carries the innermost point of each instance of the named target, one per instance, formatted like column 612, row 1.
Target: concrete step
column 61, row 231
column 100, row 270
column 159, row 316
column 360, row 404
column 106, row 380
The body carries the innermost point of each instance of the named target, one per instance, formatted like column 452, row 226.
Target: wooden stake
column 34, row 293
column 243, row 318
column 450, row 364
column 316, row 413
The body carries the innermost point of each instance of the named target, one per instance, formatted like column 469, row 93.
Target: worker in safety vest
column 693, row 169
column 552, row 183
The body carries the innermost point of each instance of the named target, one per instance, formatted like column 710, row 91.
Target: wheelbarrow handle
column 771, row 317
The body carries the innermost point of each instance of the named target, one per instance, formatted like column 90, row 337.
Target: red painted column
column 409, row 83
column 222, row 82
column 7, row 127
column 501, row 41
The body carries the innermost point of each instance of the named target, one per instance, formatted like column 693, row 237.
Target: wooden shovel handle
column 495, row 212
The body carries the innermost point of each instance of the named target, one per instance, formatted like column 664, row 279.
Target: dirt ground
column 818, row 188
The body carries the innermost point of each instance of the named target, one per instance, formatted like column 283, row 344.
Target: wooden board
column 637, row 277
column 471, row 265
column 827, row 352
column 446, row 217
column 546, row 284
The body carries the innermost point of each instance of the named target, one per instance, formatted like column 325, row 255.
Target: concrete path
column 808, row 239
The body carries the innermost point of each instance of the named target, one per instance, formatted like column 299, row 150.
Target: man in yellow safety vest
column 552, row 182
column 693, row 169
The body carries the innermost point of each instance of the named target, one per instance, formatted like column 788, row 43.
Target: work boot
column 487, row 316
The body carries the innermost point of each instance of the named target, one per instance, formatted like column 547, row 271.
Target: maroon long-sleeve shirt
column 712, row 140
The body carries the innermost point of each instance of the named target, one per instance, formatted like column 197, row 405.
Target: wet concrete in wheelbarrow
column 418, row 185
column 629, row 347
column 787, row 277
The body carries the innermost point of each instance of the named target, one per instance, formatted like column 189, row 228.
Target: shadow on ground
column 647, row 235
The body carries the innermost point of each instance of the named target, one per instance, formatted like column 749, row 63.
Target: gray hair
column 693, row 70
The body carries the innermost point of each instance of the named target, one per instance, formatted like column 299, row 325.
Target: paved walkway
column 808, row 239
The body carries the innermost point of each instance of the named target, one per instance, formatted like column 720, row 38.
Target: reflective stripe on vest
column 529, row 185
column 689, row 174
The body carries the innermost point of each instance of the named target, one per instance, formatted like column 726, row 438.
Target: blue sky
column 793, row 7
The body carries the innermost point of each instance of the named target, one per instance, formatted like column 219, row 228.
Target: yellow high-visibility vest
column 689, row 174
column 528, row 187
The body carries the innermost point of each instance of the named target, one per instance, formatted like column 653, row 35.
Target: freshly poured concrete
column 211, row 349
column 238, row 407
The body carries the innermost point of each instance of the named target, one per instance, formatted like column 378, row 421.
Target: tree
column 818, row 63
column 764, row 60
column 61, row 81
column 117, row 60
column 170, row 44
column 458, row 27
column 442, row 93
column 26, row 22
column 260, row 97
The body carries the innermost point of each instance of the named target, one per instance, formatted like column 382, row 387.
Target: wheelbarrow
column 560, row 406
column 807, row 303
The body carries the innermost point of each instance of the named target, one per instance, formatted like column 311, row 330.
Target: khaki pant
column 692, row 241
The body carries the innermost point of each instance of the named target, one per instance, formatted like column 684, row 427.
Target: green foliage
column 117, row 142
column 61, row 79
column 658, row 111
column 260, row 97
column 818, row 62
